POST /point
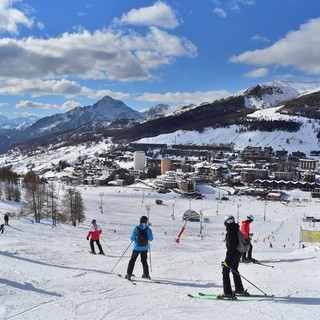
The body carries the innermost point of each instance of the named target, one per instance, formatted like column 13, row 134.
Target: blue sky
column 57, row 55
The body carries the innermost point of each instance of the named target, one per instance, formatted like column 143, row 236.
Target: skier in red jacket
column 94, row 236
column 245, row 229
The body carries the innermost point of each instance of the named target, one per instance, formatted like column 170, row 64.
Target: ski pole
column 121, row 256
column 106, row 243
column 264, row 265
column 225, row 265
column 150, row 257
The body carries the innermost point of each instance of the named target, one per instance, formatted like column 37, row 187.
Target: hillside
column 80, row 146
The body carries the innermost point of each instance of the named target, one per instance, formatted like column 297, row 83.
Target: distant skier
column 94, row 236
column 231, row 262
column 2, row 228
column 141, row 235
column 6, row 219
column 245, row 229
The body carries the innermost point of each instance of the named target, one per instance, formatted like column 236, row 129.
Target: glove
column 87, row 237
column 223, row 264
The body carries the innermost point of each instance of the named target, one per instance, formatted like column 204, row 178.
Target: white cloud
column 159, row 14
column 118, row 95
column 37, row 87
column 68, row 105
column 68, row 89
column 11, row 18
column 220, row 12
column 184, row 97
column 298, row 49
column 257, row 73
column 111, row 54
column 223, row 7
column 31, row 104
column 258, row 37
column 104, row 54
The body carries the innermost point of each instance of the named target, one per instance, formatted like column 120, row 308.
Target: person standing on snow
column 141, row 235
column 94, row 236
column 6, row 220
column 231, row 262
column 245, row 229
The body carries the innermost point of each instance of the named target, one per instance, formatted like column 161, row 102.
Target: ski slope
column 47, row 273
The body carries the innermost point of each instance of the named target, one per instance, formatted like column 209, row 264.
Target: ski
column 214, row 297
column 140, row 279
column 123, row 277
column 256, row 295
column 208, row 294
column 97, row 254
column 239, row 295
column 145, row 279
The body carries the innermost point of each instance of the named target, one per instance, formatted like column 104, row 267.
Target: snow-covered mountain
column 104, row 112
column 157, row 111
column 270, row 94
column 109, row 114
column 16, row 123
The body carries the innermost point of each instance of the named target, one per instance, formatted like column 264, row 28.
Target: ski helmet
column 229, row 219
column 94, row 221
column 143, row 219
column 250, row 218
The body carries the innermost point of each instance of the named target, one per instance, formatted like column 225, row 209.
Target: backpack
column 244, row 244
column 142, row 237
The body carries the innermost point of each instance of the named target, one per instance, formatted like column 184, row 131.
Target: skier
column 2, row 228
column 245, row 229
column 231, row 262
column 6, row 219
column 140, row 247
column 94, row 236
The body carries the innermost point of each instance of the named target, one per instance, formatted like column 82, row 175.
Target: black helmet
column 94, row 221
column 250, row 218
column 143, row 219
column 229, row 219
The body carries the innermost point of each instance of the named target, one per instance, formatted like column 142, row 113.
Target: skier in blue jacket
column 141, row 235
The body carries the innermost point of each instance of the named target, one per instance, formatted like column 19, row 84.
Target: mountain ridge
column 112, row 118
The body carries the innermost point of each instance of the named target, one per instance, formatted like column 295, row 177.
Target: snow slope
column 303, row 140
column 47, row 273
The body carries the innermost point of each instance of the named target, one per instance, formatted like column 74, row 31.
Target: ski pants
column 244, row 254
column 233, row 263
column 134, row 256
column 98, row 244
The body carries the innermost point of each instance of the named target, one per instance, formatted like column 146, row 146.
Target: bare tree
column 73, row 206
column 52, row 204
column 34, row 195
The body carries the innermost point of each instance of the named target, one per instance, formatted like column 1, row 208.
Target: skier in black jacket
column 231, row 261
